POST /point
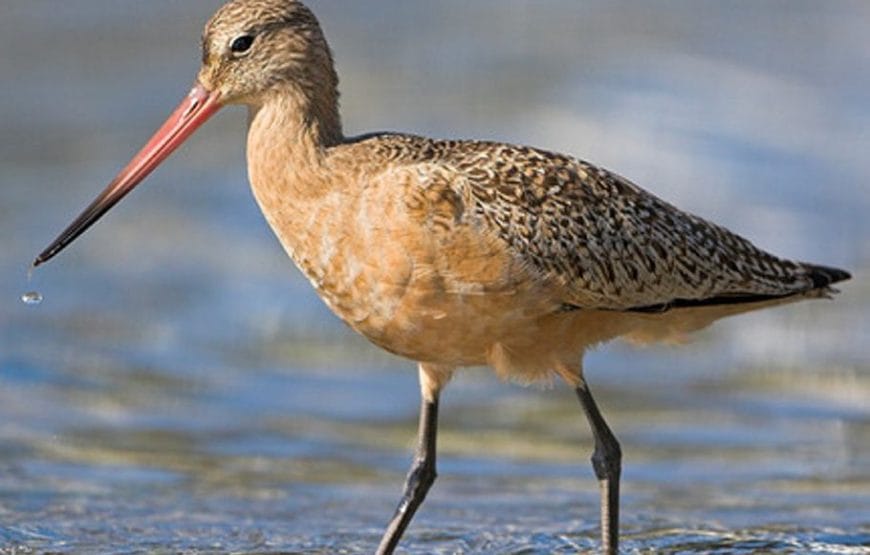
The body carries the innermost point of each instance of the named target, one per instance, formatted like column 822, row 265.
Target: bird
column 457, row 253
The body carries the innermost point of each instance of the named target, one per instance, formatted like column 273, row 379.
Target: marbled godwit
column 457, row 253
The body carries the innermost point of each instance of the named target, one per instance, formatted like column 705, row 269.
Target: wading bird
column 458, row 253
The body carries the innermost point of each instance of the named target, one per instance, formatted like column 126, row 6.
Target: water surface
column 182, row 389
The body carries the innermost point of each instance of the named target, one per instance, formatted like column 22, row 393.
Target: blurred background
column 181, row 387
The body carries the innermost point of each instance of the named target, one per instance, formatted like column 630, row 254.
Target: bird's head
column 252, row 50
column 255, row 48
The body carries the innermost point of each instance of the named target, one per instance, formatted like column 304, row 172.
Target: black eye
column 241, row 44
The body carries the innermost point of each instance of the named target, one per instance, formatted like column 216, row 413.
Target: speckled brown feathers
column 458, row 253
column 289, row 56
column 455, row 253
column 609, row 243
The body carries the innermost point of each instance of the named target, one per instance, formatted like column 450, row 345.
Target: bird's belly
column 412, row 309
column 446, row 327
column 514, row 323
column 446, row 299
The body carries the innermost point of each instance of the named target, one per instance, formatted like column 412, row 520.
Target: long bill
column 196, row 108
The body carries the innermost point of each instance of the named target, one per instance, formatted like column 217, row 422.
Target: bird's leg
column 422, row 473
column 607, row 462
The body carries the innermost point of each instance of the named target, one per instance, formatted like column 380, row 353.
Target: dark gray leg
column 420, row 477
column 607, row 462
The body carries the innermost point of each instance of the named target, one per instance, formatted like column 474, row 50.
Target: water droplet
column 31, row 298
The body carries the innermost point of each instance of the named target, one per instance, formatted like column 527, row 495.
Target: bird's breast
column 441, row 295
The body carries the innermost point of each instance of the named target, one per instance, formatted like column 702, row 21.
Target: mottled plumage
column 609, row 243
column 458, row 253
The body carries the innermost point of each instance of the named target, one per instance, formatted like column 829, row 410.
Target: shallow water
column 181, row 388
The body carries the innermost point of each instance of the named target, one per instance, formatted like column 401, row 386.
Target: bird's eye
column 241, row 44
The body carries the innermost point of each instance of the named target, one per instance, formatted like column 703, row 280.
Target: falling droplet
column 32, row 298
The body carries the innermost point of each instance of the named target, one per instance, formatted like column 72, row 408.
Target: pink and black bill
column 197, row 107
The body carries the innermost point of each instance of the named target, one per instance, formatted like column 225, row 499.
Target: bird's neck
column 289, row 135
column 293, row 179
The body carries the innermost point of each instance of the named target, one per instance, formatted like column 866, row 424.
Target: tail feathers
column 824, row 276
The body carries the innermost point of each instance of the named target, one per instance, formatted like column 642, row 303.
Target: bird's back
column 603, row 241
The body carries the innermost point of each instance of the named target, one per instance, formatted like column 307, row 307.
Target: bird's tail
column 824, row 276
